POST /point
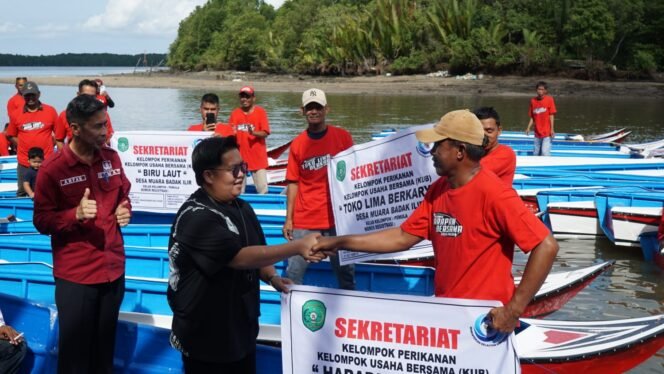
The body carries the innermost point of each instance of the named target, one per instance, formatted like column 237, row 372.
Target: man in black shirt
column 217, row 254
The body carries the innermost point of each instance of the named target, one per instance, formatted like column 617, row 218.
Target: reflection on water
column 633, row 288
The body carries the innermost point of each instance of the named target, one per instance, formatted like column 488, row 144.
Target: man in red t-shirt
column 31, row 126
column 210, row 114
column 473, row 221
column 63, row 130
column 308, row 204
column 102, row 94
column 16, row 102
column 251, row 127
column 499, row 158
column 542, row 113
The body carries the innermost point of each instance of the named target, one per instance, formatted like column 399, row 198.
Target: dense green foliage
column 82, row 59
column 416, row 36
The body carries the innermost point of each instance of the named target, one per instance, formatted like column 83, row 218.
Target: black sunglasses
column 435, row 145
column 235, row 169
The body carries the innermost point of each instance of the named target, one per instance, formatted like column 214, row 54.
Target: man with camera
column 209, row 114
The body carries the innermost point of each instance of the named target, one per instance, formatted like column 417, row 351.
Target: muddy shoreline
column 224, row 81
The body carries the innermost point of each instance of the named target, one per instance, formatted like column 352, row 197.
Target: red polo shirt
column 91, row 251
column 63, row 131
column 33, row 129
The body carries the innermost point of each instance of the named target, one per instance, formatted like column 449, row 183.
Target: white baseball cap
column 314, row 95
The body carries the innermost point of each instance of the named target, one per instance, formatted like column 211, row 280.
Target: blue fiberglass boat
column 133, row 235
column 544, row 198
column 607, row 200
column 139, row 348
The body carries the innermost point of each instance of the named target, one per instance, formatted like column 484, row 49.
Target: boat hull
column 574, row 219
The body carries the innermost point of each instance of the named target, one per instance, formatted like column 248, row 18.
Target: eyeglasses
column 235, row 169
column 245, row 96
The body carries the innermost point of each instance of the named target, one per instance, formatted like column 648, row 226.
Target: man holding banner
column 473, row 221
column 308, row 207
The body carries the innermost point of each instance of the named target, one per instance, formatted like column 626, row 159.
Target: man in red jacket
column 81, row 201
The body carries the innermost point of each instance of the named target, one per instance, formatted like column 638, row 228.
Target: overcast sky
column 77, row 26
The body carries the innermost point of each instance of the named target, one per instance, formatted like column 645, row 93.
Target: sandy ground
column 380, row 85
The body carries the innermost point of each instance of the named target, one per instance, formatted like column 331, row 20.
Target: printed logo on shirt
column 315, row 163
column 245, row 127
column 447, row 225
column 72, row 180
column 108, row 173
column 31, row 126
column 539, row 110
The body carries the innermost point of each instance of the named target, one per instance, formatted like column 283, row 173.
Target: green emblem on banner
column 313, row 315
column 341, row 171
column 123, row 144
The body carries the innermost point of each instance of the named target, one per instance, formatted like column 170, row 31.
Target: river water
column 632, row 288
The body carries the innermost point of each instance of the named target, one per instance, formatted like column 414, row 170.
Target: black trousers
column 87, row 319
column 247, row 365
column 11, row 356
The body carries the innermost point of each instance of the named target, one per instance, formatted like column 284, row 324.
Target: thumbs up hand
column 123, row 214
column 87, row 209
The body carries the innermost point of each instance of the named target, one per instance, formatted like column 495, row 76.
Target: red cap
column 247, row 90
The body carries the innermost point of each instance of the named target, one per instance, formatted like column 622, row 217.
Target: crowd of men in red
column 35, row 129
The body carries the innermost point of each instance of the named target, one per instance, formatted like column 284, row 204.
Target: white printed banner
column 330, row 331
column 158, row 165
column 376, row 185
